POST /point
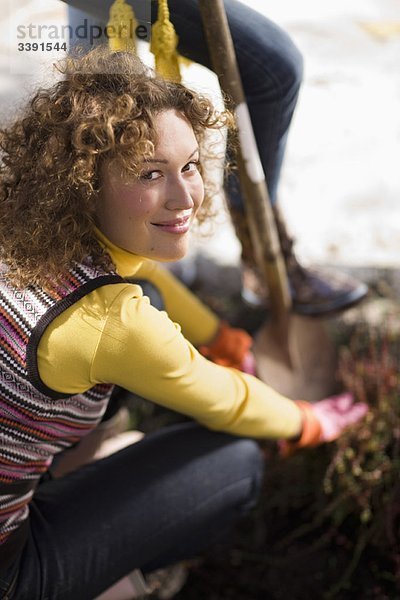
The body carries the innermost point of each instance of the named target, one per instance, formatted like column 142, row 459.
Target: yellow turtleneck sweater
column 114, row 335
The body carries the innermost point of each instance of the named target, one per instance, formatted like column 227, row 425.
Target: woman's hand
column 324, row 421
column 336, row 413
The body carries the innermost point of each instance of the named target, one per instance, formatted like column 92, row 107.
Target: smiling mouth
column 175, row 225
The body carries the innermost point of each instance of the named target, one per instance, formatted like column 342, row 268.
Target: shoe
column 315, row 291
column 164, row 584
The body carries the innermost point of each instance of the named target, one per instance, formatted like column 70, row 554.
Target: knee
column 249, row 463
column 278, row 60
column 247, row 453
column 293, row 62
column 286, row 65
column 293, row 71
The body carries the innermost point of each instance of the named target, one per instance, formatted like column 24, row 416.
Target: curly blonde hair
column 102, row 110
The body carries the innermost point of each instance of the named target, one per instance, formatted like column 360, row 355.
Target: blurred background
column 340, row 188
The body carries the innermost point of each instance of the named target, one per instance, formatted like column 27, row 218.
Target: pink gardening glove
column 324, row 421
column 248, row 364
column 336, row 413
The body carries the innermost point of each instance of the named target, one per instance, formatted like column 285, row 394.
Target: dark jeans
column 156, row 502
column 271, row 68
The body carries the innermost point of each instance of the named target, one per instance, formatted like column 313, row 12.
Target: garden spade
column 294, row 354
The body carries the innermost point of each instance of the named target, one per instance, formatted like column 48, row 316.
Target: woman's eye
column 150, row 175
column 193, row 165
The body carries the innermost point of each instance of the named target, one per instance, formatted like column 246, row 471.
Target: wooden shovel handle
column 259, row 213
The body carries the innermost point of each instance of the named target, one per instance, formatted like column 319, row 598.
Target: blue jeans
column 271, row 68
column 152, row 504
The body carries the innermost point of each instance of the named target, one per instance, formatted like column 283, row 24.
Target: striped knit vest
column 36, row 422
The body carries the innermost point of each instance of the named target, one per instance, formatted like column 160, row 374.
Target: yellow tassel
column 121, row 27
column 164, row 42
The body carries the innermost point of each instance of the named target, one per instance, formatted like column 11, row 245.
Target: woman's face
column 151, row 216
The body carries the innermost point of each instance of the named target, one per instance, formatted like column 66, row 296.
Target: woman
column 101, row 178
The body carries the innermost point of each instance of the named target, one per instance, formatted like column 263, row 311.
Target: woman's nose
column 179, row 196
